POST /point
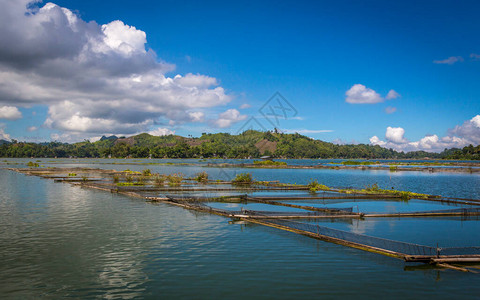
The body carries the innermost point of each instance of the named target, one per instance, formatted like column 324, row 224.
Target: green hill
column 250, row 143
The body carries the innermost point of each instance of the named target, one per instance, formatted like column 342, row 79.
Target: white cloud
column 475, row 56
column 469, row 130
column 10, row 113
column 245, row 105
column 457, row 137
column 390, row 109
column 191, row 80
column 395, row 135
column 392, row 95
column 449, row 61
column 297, row 118
column 161, row 132
column 229, row 117
column 95, row 79
column 374, row 140
column 32, row 128
column 3, row 134
column 360, row 94
column 122, row 38
column 476, row 121
column 338, row 142
column 59, row 138
column 197, row 116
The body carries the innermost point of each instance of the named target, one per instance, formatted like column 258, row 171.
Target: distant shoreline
column 431, row 166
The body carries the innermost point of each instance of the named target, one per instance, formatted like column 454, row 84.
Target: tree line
column 249, row 144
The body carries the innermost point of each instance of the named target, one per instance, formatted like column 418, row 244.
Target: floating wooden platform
column 443, row 257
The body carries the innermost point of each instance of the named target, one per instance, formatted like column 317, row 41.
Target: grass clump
column 175, row 179
column 393, row 168
column 128, row 178
column 314, row 186
column 116, row 178
column 72, row 174
column 33, row 164
column 140, row 180
column 146, row 172
column 269, row 163
column 375, row 189
column 201, row 177
column 243, row 178
column 159, row 179
column 130, row 172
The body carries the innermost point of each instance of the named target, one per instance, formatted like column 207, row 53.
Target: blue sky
column 311, row 52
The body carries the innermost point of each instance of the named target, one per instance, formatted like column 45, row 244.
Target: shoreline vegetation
column 249, row 144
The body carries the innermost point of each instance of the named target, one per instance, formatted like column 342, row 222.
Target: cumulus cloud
column 60, row 137
column 469, row 130
column 245, row 105
column 10, row 113
column 94, row 78
column 32, row 128
column 395, row 135
column 196, row 116
column 457, row 137
column 191, row 80
column 3, row 134
column 449, row 61
column 392, row 95
column 229, row 117
column 161, row 132
column 360, row 94
column 374, row 140
column 475, row 56
column 390, row 109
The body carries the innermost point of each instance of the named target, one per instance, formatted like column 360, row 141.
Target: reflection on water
column 57, row 240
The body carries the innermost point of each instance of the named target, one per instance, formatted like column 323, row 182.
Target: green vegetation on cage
column 243, row 178
column 201, row 177
column 314, row 186
column 175, row 179
column 374, row 189
column 269, row 163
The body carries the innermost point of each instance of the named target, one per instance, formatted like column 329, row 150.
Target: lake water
column 58, row 240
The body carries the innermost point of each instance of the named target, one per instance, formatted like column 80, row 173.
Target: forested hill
column 250, row 143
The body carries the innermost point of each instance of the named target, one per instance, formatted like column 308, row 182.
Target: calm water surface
column 57, row 240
